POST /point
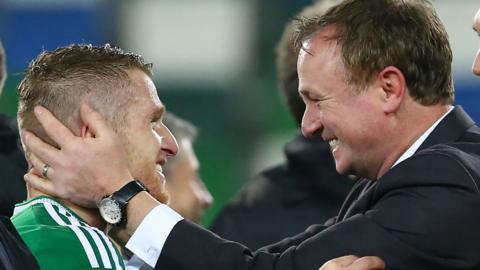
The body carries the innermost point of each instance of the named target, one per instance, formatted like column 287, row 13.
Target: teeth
column 333, row 143
column 159, row 168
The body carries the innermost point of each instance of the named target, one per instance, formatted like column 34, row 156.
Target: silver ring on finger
column 45, row 170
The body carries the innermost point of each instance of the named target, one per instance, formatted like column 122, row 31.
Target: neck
column 89, row 215
column 409, row 127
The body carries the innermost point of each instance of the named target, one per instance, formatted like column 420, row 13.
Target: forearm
column 286, row 243
column 137, row 209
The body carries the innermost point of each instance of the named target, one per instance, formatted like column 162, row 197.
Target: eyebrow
column 306, row 50
column 305, row 93
column 158, row 112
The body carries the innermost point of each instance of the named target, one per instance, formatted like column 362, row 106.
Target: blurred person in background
column 12, row 161
column 286, row 199
column 14, row 254
column 188, row 194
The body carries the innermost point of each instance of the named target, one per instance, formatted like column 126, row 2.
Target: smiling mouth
column 159, row 169
column 333, row 144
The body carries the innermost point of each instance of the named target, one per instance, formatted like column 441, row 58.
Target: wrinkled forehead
column 319, row 53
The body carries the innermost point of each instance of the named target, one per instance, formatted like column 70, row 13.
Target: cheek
column 335, row 120
column 142, row 162
column 357, row 128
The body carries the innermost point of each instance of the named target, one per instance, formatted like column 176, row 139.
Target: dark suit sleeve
column 424, row 215
column 286, row 243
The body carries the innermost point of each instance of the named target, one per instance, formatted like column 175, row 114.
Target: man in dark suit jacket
column 376, row 80
column 410, row 217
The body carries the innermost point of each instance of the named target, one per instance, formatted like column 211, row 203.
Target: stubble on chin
column 163, row 195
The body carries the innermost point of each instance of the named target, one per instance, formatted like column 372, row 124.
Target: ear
column 393, row 87
column 85, row 132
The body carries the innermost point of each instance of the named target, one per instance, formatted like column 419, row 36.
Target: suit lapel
column 450, row 129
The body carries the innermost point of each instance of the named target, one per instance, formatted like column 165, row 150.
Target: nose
column 204, row 196
column 169, row 143
column 311, row 124
column 476, row 64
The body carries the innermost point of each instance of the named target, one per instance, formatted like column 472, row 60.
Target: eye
column 315, row 99
column 319, row 102
column 310, row 100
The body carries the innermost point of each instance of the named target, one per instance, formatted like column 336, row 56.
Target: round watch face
column 110, row 210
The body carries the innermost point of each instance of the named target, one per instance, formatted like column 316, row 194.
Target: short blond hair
column 63, row 79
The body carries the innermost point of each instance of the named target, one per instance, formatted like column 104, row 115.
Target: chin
column 156, row 186
column 342, row 169
column 161, row 196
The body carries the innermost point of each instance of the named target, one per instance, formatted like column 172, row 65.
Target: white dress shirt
column 148, row 240
column 414, row 147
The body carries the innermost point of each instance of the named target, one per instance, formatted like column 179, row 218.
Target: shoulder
column 450, row 165
column 59, row 240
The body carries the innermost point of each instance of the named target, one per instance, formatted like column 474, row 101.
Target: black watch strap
column 127, row 192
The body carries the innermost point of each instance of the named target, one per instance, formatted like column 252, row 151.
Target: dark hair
column 64, row 78
column 287, row 60
column 374, row 34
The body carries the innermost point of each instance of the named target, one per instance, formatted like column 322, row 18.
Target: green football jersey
column 59, row 239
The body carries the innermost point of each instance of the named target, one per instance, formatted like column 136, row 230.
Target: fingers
column 38, row 148
column 368, row 262
column 54, row 128
column 38, row 167
column 351, row 262
column 95, row 122
column 339, row 263
column 39, row 183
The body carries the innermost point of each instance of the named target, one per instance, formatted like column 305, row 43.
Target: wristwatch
column 112, row 207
